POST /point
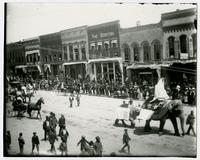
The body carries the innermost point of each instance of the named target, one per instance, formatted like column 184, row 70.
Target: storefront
column 75, row 70
column 34, row 71
column 109, row 69
column 145, row 73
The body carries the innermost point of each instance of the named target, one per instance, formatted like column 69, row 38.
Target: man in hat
column 46, row 128
column 52, row 139
column 126, row 140
column 21, row 143
column 98, row 146
column 190, row 121
column 61, row 122
column 35, row 142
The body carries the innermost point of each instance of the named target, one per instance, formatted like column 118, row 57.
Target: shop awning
column 32, row 52
column 151, row 66
column 20, row 66
column 119, row 59
column 181, row 61
column 72, row 63
column 36, row 66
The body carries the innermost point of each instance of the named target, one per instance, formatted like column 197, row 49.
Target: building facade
column 15, row 58
column 75, row 52
column 104, row 52
column 51, row 55
column 32, row 57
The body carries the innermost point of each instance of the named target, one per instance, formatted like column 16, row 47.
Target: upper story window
column 171, row 47
column 76, row 51
column 92, row 46
column 146, row 51
column 114, row 43
column 65, row 51
column 127, row 55
column 106, row 45
column 71, row 51
column 136, row 52
column 83, row 53
column 99, row 46
column 183, row 43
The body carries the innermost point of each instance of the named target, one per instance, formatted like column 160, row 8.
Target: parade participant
column 71, row 98
column 61, row 122
column 46, row 128
column 52, row 139
column 83, row 143
column 35, row 142
column 126, row 140
column 190, row 121
column 21, row 143
column 78, row 100
column 98, row 147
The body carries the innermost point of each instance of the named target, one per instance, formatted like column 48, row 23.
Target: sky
column 27, row 20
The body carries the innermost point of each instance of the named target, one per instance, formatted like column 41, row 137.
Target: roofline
column 103, row 24
column 75, row 28
column 177, row 11
column 142, row 27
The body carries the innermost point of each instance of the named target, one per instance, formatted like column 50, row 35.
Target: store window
column 171, row 47
column 183, row 43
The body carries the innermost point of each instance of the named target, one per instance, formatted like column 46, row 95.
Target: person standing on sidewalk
column 126, row 140
column 98, row 146
column 21, row 143
column 35, row 142
column 46, row 128
column 190, row 121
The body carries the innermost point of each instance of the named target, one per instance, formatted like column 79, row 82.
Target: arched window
column 146, row 51
column 127, row 52
column 194, row 42
column 136, row 52
column 156, row 47
column 183, row 43
column 171, row 46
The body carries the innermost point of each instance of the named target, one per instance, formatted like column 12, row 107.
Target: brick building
column 51, row 54
column 32, row 57
column 75, row 51
column 104, row 51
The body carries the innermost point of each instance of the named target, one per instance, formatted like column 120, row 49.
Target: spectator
column 71, row 98
column 126, row 140
column 46, row 128
column 8, row 139
column 63, row 148
column 190, row 121
column 52, row 139
column 35, row 142
column 78, row 100
column 61, row 122
column 98, row 146
column 21, row 143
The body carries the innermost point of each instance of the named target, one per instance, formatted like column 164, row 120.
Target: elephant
column 168, row 110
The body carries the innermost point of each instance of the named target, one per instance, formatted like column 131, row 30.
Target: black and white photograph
column 116, row 79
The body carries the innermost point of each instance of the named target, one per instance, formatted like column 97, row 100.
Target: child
column 190, row 122
column 63, row 148
column 126, row 140
column 21, row 143
column 83, row 143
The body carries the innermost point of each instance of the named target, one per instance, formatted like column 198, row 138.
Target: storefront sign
column 184, row 56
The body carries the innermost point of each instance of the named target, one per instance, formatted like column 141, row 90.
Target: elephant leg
column 123, row 122
column 162, row 124
column 182, row 121
column 147, row 125
column 174, row 122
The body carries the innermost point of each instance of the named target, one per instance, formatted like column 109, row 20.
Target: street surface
column 95, row 117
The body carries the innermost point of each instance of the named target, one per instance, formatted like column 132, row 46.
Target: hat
column 34, row 132
column 83, row 136
column 97, row 138
column 125, row 130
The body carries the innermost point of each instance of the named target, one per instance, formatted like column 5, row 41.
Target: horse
column 35, row 107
